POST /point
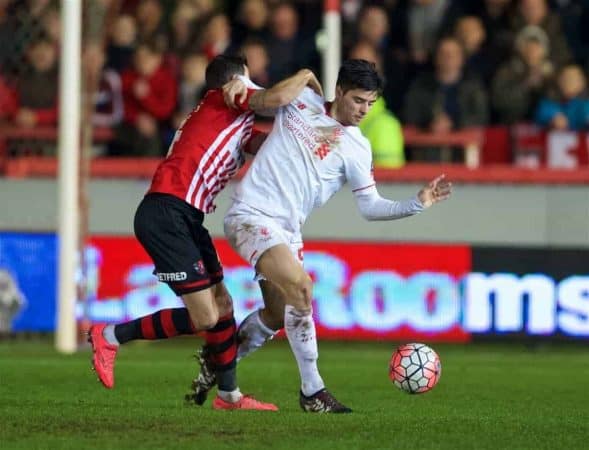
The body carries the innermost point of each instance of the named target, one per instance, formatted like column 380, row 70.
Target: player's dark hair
column 222, row 69
column 359, row 74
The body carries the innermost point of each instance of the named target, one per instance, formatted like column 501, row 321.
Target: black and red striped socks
column 221, row 341
column 162, row 324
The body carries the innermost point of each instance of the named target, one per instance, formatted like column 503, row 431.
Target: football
column 415, row 368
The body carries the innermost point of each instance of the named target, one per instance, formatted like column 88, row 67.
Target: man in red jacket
column 149, row 94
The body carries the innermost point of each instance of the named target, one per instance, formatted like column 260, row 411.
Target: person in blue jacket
column 568, row 107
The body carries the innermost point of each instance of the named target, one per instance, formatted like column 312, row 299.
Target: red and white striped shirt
column 206, row 153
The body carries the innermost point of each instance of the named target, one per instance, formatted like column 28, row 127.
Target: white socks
column 253, row 334
column 109, row 335
column 230, row 396
column 300, row 331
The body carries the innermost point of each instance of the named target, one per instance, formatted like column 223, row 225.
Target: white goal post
column 332, row 46
column 69, row 155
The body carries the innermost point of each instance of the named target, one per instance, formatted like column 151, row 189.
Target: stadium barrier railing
column 472, row 141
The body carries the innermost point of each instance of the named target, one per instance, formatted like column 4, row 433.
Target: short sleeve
column 358, row 169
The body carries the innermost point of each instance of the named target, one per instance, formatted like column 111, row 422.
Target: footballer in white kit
column 313, row 149
column 304, row 161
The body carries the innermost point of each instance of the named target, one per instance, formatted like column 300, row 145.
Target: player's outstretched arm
column 281, row 94
column 374, row 207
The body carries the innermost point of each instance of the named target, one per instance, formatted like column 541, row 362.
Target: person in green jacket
column 380, row 126
column 385, row 134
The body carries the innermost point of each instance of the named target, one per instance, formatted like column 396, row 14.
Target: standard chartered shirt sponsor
column 305, row 160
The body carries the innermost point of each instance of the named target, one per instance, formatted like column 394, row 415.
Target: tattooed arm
column 264, row 100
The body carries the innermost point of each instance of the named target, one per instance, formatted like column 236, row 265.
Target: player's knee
column 300, row 291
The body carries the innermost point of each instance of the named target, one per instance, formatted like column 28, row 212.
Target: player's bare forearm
column 284, row 92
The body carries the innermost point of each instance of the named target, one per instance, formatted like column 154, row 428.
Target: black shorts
column 172, row 233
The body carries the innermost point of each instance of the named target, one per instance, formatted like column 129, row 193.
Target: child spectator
column 568, row 107
column 149, row 95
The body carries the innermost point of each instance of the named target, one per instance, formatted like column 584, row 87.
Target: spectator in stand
column 567, row 107
column 350, row 11
column 496, row 17
column 8, row 102
column 373, row 27
column 149, row 95
column 183, row 28
column 51, row 24
column 123, row 37
column 380, row 126
column 252, row 21
column 427, row 21
column 37, row 86
column 469, row 31
column 192, row 85
column 216, row 36
column 574, row 16
column 288, row 49
column 151, row 24
column 519, row 83
column 204, row 7
column 446, row 99
column 27, row 18
column 537, row 13
column 256, row 55
column 7, row 27
column 108, row 97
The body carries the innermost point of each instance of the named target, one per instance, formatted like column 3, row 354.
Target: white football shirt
column 305, row 160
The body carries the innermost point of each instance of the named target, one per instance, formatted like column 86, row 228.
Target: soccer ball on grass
column 415, row 368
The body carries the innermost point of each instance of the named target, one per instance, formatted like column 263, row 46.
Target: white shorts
column 251, row 233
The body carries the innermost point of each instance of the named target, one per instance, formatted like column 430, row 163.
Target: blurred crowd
column 448, row 64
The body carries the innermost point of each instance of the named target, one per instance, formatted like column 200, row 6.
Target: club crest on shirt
column 199, row 267
column 327, row 138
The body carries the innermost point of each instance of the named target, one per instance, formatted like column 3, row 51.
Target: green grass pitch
column 489, row 397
